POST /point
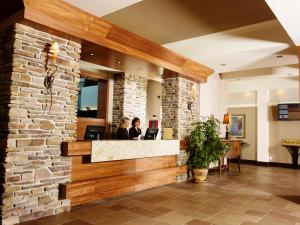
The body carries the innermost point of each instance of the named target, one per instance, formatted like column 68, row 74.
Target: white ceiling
column 101, row 7
column 288, row 13
column 246, row 52
column 250, row 47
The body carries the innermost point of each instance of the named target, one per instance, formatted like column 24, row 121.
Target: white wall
column 213, row 99
column 241, row 99
column 262, row 94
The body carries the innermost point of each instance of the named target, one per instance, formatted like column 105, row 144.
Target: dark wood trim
column 267, row 164
column 76, row 148
column 183, row 144
column 262, row 163
column 13, row 12
column 246, row 161
column 102, row 99
column 108, row 108
column 83, row 122
column 92, row 75
column 282, row 165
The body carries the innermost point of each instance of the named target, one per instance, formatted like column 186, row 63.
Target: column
column 262, row 126
column 176, row 94
column 32, row 135
column 129, row 98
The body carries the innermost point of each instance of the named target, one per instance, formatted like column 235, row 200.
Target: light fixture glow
column 54, row 49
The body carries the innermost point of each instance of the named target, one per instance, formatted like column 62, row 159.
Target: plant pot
column 199, row 175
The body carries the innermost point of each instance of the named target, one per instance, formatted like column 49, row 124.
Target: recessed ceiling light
column 92, row 54
column 223, row 64
column 119, row 62
column 279, row 56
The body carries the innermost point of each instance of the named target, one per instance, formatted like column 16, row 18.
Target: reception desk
column 103, row 151
column 105, row 169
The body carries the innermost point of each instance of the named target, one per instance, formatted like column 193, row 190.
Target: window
column 88, row 98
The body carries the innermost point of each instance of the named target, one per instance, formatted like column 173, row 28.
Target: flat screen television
column 94, row 133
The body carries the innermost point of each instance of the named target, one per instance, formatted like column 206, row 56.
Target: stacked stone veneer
column 30, row 147
column 176, row 95
column 129, row 98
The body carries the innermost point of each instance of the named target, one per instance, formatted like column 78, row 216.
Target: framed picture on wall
column 237, row 126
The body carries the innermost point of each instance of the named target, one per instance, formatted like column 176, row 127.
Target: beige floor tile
column 174, row 218
column 266, row 195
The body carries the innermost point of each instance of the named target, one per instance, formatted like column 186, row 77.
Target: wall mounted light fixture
column 226, row 121
column 52, row 51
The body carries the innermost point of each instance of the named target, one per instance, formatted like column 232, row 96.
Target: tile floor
column 258, row 195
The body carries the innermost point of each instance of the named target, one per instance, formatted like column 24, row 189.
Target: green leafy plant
column 204, row 144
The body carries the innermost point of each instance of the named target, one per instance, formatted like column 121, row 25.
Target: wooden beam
column 65, row 18
column 169, row 74
column 100, row 75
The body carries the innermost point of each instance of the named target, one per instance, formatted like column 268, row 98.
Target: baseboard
column 283, row 165
column 262, row 163
column 271, row 164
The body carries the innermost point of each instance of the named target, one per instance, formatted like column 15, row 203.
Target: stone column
column 31, row 136
column 129, row 98
column 176, row 95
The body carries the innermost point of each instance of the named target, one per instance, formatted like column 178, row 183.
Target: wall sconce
column 193, row 97
column 51, row 68
column 226, row 121
column 54, row 51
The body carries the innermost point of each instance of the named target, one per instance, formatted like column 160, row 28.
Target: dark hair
column 135, row 119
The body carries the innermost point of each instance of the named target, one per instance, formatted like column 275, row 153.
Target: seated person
column 122, row 132
column 135, row 131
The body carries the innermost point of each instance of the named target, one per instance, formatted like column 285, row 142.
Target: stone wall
column 34, row 167
column 176, row 95
column 129, row 98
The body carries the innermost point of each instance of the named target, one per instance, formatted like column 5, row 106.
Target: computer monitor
column 94, row 132
column 151, row 134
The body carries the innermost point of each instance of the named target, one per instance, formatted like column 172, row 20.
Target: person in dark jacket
column 135, row 131
column 122, row 132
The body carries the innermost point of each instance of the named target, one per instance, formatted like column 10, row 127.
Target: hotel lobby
column 148, row 112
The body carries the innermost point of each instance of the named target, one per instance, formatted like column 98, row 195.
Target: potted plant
column 205, row 146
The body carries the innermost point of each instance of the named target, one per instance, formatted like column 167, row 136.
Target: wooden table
column 292, row 146
column 234, row 153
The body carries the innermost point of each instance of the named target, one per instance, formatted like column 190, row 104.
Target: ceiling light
column 92, row 54
column 223, row 64
column 119, row 62
column 279, row 56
